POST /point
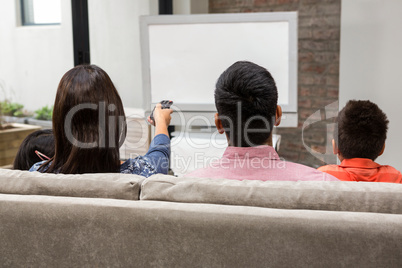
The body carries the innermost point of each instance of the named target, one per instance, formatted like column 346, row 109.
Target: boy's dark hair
column 40, row 140
column 246, row 100
column 362, row 130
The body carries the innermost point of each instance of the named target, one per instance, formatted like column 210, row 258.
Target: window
column 40, row 12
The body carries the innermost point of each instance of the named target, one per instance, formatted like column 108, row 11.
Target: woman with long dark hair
column 89, row 127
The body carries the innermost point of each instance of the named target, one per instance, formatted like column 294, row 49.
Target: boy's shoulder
column 337, row 171
column 358, row 170
column 391, row 170
column 329, row 168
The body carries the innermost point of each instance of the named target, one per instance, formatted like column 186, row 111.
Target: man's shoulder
column 309, row 173
column 277, row 170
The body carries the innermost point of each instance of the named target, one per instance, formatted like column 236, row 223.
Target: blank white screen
column 187, row 59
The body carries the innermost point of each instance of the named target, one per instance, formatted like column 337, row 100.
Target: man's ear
column 218, row 124
column 278, row 115
column 335, row 147
column 383, row 149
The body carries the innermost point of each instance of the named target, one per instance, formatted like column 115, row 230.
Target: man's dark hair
column 362, row 130
column 246, row 99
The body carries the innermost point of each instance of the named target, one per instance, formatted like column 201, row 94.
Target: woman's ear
column 278, row 115
column 218, row 124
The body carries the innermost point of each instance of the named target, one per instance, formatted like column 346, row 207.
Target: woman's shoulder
column 36, row 166
column 139, row 166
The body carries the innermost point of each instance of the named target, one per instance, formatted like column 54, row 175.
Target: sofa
column 120, row 220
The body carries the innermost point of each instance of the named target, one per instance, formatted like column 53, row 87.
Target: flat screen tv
column 183, row 56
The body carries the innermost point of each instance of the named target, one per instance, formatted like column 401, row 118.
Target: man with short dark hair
column 246, row 100
column 361, row 134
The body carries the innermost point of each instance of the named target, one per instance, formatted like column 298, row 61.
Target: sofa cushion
column 332, row 196
column 96, row 185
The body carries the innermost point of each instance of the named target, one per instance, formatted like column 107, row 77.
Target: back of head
column 362, row 130
column 246, row 100
column 88, row 122
column 41, row 141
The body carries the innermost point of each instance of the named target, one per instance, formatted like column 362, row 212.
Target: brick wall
column 318, row 74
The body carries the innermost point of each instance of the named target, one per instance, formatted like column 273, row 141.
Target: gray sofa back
column 113, row 185
column 331, row 196
column 49, row 220
column 48, row 231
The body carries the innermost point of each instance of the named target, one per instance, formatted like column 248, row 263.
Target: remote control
column 165, row 105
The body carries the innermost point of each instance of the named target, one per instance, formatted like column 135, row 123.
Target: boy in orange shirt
column 362, row 130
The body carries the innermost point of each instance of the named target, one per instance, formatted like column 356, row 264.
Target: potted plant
column 42, row 117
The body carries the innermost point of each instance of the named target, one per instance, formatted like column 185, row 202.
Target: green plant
column 11, row 108
column 8, row 108
column 44, row 113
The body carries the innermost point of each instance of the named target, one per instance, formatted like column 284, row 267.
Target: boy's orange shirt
column 363, row 169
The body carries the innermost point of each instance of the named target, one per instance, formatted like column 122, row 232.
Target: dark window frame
column 165, row 7
column 82, row 53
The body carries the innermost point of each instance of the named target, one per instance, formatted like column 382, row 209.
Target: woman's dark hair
column 41, row 141
column 246, row 99
column 362, row 130
column 88, row 123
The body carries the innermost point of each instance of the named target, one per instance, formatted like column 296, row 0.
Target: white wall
column 370, row 63
column 115, row 43
column 115, row 40
column 33, row 58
